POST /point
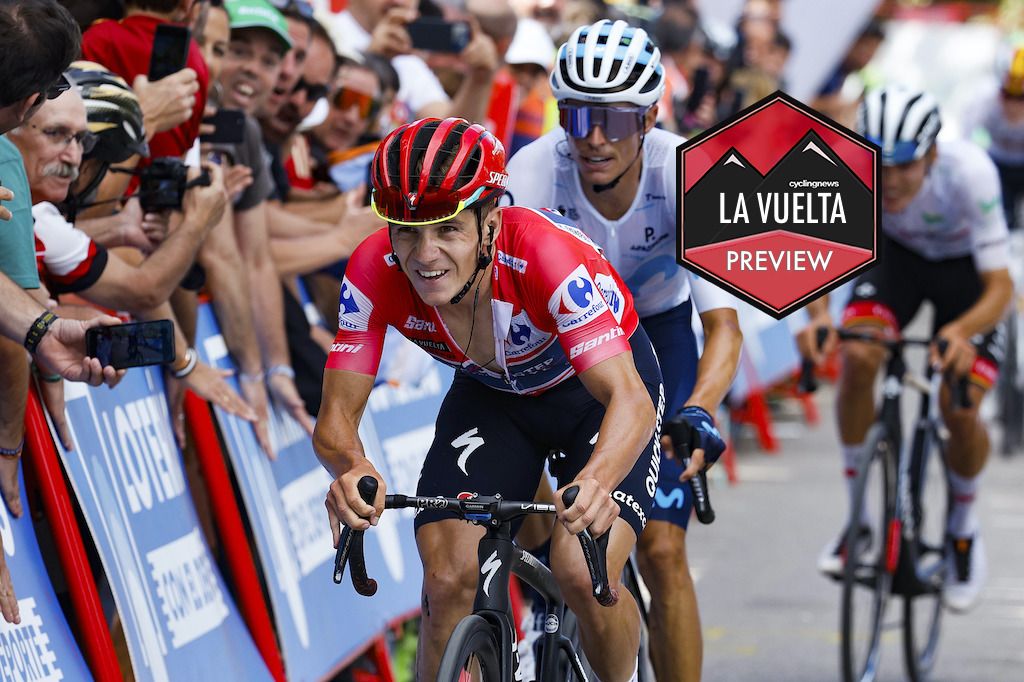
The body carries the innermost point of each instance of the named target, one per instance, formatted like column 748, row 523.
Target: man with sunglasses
column 613, row 173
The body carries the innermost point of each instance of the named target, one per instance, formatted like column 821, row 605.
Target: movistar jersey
column 558, row 307
column 958, row 211
column 642, row 243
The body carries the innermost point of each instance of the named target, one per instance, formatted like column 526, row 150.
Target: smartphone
column 701, row 85
column 434, row 34
column 228, row 127
column 136, row 344
column 170, row 51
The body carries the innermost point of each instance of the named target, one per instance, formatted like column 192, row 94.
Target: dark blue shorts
column 671, row 333
column 488, row 441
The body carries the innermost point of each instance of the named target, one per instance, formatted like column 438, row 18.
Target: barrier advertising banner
column 179, row 620
column 319, row 624
column 41, row 647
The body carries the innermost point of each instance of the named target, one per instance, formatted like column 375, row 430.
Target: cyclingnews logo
column 778, row 204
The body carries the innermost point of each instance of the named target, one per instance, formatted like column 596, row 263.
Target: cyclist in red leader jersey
column 548, row 355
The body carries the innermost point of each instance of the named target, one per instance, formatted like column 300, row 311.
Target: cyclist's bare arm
column 717, row 366
column 626, row 428
column 980, row 318
column 337, row 445
column 807, row 340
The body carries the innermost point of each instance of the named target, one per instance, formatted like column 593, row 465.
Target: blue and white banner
column 127, row 473
column 41, row 647
column 321, row 624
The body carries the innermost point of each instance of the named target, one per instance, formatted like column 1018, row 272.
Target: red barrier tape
column 232, row 533
column 42, row 465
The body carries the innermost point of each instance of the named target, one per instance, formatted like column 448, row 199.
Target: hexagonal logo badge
column 778, row 205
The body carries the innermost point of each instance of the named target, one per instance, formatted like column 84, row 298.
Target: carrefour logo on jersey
column 778, row 205
column 524, row 337
column 354, row 308
column 577, row 300
column 612, row 295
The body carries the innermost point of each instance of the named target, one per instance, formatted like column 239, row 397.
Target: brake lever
column 682, row 436
column 595, row 553
column 350, row 547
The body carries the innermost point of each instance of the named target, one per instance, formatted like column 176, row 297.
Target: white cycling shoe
column 966, row 572
column 833, row 555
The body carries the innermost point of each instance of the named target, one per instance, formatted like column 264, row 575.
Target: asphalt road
column 768, row 615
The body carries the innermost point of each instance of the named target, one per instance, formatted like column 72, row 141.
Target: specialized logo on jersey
column 577, row 300
column 469, row 441
column 354, row 308
column 612, row 295
column 524, row 337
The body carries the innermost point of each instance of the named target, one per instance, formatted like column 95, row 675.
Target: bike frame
column 499, row 558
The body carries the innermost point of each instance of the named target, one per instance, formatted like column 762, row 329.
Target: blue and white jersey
column 641, row 245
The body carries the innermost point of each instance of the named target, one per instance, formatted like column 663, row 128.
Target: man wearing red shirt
column 125, row 47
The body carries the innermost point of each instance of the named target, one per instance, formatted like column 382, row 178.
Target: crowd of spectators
column 269, row 218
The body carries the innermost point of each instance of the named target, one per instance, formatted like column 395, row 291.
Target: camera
column 162, row 185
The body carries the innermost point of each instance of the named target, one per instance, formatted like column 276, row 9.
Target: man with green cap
column 259, row 43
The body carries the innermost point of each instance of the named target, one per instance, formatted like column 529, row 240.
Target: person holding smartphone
column 380, row 27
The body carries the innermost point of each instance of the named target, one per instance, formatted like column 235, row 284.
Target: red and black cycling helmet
column 430, row 170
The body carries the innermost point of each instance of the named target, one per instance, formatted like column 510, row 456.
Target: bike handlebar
column 492, row 510
column 683, row 437
column 809, row 384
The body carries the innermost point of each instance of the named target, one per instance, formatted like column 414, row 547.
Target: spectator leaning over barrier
column 378, row 27
column 259, row 41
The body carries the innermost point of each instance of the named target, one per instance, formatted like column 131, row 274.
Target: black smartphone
column 228, row 127
column 434, row 34
column 701, row 85
column 136, row 344
column 170, row 51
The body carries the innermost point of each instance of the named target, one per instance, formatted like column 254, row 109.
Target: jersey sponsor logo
column 469, row 441
column 416, row 324
column 565, row 225
column 653, row 197
column 590, row 344
column 517, row 264
column 612, row 295
column 535, row 369
column 569, row 212
column 576, row 301
column 431, row 345
column 346, row 347
column 354, row 308
column 524, row 337
column 629, row 502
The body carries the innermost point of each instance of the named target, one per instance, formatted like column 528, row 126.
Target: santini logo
column 590, row 344
column 420, row 325
column 346, row 347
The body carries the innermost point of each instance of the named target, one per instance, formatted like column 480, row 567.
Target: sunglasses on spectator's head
column 59, row 88
column 616, row 123
column 314, row 91
column 301, row 7
column 346, row 98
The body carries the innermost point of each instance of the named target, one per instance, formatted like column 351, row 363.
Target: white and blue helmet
column 902, row 121
column 609, row 62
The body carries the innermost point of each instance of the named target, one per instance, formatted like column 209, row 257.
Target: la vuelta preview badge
column 778, row 204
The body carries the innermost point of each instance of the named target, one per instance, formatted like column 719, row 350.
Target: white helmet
column 609, row 62
column 902, row 121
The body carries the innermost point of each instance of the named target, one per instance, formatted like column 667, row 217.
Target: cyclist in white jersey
column 996, row 120
column 944, row 240
column 612, row 173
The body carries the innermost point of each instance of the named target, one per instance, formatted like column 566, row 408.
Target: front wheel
column 471, row 653
column 922, row 603
column 867, row 580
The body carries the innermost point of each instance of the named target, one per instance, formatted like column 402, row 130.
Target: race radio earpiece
column 484, row 259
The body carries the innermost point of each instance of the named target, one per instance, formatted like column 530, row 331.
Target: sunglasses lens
column 59, row 88
column 616, row 124
column 346, row 99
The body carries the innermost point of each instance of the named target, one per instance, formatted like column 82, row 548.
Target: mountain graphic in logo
column 732, row 174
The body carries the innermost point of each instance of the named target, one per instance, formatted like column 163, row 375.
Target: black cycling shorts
column 490, row 442
column 890, row 294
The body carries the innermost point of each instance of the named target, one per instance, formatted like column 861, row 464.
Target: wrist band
column 48, row 378
column 255, row 377
column 281, row 369
column 13, row 452
column 191, row 360
column 38, row 330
